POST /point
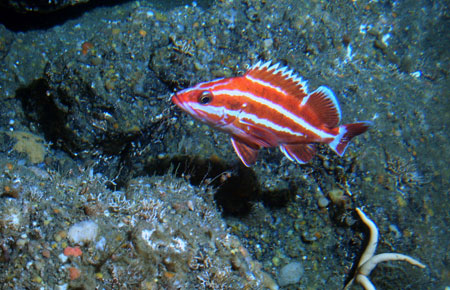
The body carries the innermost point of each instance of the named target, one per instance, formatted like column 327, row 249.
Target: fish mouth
column 183, row 105
column 175, row 99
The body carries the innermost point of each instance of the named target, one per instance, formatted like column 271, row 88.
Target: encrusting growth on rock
column 369, row 260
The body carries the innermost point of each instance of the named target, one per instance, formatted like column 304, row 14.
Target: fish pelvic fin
column 346, row 133
column 245, row 152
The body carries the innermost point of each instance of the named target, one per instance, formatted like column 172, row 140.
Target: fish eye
column 205, row 98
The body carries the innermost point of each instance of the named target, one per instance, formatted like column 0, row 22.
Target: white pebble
column 290, row 274
column 62, row 287
column 63, row 258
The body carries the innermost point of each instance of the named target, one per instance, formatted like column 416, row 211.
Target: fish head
column 202, row 103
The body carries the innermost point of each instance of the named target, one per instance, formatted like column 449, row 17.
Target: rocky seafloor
column 88, row 134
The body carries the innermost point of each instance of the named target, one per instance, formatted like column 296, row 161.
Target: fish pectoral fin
column 246, row 153
column 260, row 136
column 300, row 153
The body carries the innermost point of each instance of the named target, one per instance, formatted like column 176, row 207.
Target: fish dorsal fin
column 323, row 103
column 279, row 78
column 246, row 153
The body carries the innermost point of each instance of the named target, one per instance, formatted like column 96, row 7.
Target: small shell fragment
column 190, row 205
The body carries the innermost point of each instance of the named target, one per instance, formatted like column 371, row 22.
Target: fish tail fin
column 346, row 133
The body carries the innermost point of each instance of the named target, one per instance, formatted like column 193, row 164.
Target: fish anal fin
column 279, row 78
column 323, row 103
column 245, row 152
column 301, row 153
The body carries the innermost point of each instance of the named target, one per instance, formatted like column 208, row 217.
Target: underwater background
column 105, row 184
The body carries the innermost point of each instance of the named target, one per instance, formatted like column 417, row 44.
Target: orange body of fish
column 270, row 106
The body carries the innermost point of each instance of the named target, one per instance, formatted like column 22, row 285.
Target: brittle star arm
column 373, row 238
column 370, row 264
column 369, row 261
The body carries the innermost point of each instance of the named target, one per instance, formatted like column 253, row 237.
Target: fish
column 270, row 106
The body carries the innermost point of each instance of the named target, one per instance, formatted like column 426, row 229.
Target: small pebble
column 394, row 229
column 60, row 235
column 21, row 243
column 290, row 274
column 190, row 205
column 323, row 202
column 268, row 43
column 308, row 238
column 37, row 279
column 46, row 253
column 63, row 258
column 62, row 287
column 336, row 195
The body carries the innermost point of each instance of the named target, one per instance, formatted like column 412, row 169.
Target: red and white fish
column 269, row 106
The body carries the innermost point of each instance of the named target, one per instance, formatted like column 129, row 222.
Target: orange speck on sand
column 86, row 46
column 46, row 253
column 74, row 273
column 169, row 275
column 142, row 32
column 9, row 166
column 76, row 251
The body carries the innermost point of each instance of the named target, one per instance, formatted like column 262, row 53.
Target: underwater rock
column 24, row 6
